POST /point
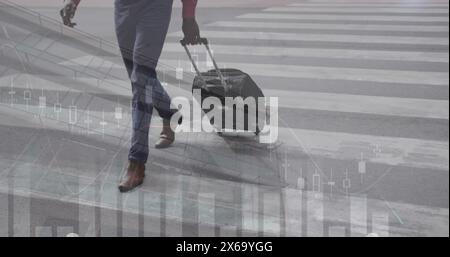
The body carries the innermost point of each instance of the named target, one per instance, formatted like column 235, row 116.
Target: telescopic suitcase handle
column 204, row 41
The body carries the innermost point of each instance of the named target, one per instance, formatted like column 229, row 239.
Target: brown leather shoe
column 134, row 177
column 167, row 136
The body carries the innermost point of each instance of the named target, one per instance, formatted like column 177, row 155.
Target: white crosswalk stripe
column 292, row 71
column 356, row 10
column 403, row 107
column 278, row 16
column 356, row 4
column 320, row 53
column 396, row 151
column 392, row 151
column 406, row 107
column 322, row 38
column 318, row 26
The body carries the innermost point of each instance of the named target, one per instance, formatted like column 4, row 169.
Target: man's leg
column 151, row 32
column 141, row 47
column 125, row 22
column 141, row 30
column 126, row 17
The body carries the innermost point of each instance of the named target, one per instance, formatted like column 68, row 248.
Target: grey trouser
column 141, row 28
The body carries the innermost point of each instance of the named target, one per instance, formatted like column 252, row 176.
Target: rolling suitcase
column 229, row 83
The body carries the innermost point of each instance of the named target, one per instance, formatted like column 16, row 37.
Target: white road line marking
column 368, row 39
column 337, row 145
column 318, row 26
column 443, row 4
column 321, row 53
column 394, row 151
column 357, row 10
column 270, row 16
column 297, row 71
column 405, row 107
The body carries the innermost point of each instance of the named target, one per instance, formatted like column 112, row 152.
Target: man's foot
column 134, row 177
column 167, row 136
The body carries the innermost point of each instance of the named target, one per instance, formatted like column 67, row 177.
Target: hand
column 68, row 12
column 191, row 31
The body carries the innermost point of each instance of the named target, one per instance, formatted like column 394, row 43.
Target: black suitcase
column 222, row 83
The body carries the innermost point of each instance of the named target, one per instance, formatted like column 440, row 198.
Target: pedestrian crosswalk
column 332, row 64
column 318, row 63
column 363, row 32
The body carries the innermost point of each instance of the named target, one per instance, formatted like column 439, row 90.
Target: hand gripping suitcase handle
column 205, row 42
column 202, row 40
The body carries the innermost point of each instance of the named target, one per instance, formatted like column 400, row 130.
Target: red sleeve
column 189, row 8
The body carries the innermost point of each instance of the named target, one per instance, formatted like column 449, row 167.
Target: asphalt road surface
column 363, row 124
